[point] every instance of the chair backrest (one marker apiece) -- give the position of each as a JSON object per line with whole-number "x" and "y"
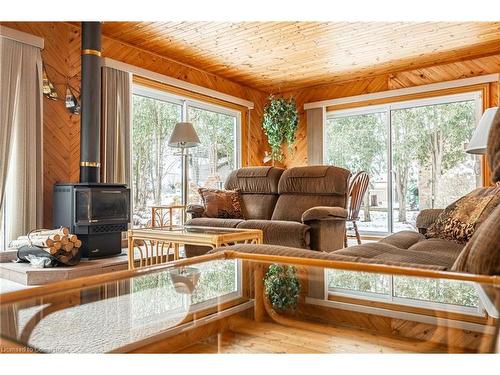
{"x": 259, "y": 190}
{"x": 357, "y": 190}
{"x": 301, "y": 188}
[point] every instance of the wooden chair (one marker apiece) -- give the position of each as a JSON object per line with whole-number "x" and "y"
{"x": 357, "y": 190}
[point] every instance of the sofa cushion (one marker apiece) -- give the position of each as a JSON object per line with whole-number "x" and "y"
{"x": 461, "y": 218}
{"x": 254, "y": 180}
{"x": 481, "y": 255}
{"x": 403, "y": 239}
{"x": 258, "y": 206}
{"x": 291, "y": 206}
{"x": 426, "y": 218}
{"x": 224, "y": 204}
{"x": 214, "y": 222}
{"x": 286, "y": 233}
{"x": 302, "y": 188}
{"x": 301, "y": 253}
{"x": 315, "y": 180}
{"x": 390, "y": 254}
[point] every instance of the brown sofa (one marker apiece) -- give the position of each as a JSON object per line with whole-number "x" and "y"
{"x": 480, "y": 255}
{"x": 302, "y": 207}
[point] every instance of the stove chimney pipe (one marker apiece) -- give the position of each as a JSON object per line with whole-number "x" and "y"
{"x": 90, "y": 126}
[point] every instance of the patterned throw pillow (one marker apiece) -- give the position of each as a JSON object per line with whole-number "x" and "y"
{"x": 462, "y": 218}
{"x": 223, "y": 204}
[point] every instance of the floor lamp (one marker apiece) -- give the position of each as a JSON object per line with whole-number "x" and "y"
{"x": 184, "y": 136}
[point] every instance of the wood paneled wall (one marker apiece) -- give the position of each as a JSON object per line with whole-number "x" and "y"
{"x": 62, "y": 130}
{"x": 397, "y": 80}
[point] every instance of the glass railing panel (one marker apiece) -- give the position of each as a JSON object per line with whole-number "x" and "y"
{"x": 235, "y": 304}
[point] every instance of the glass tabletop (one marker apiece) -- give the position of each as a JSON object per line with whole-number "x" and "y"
{"x": 193, "y": 230}
{"x": 256, "y": 304}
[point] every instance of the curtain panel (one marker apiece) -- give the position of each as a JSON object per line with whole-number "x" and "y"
{"x": 117, "y": 99}
{"x": 21, "y": 143}
{"x": 316, "y": 119}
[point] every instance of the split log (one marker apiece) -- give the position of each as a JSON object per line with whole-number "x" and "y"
{"x": 78, "y": 243}
{"x": 51, "y": 250}
{"x": 68, "y": 247}
{"x": 73, "y": 238}
{"x": 40, "y": 242}
{"x": 64, "y": 240}
{"x": 55, "y": 234}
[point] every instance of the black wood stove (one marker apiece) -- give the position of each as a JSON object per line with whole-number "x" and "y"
{"x": 96, "y": 212}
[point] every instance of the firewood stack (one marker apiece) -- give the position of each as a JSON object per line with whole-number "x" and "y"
{"x": 59, "y": 243}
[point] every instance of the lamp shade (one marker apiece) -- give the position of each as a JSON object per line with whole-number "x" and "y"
{"x": 479, "y": 140}
{"x": 184, "y": 136}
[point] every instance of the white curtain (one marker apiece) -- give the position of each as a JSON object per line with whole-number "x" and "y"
{"x": 117, "y": 99}
{"x": 21, "y": 173}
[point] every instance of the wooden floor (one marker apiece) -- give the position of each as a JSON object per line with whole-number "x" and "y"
{"x": 246, "y": 336}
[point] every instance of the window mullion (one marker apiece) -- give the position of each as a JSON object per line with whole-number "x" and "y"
{"x": 184, "y": 116}
{"x": 390, "y": 223}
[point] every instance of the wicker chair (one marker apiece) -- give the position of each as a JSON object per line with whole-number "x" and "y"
{"x": 357, "y": 190}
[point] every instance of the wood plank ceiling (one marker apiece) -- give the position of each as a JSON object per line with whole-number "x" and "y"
{"x": 280, "y": 56}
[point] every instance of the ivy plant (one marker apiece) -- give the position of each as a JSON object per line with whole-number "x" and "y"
{"x": 280, "y": 123}
{"x": 282, "y": 287}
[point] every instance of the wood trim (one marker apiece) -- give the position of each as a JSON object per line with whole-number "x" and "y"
{"x": 174, "y": 82}
{"x": 484, "y": 88}
{"x": 244, "y": 115}
{"x": 422, "y": 89}
{"x": 21, "y": 37}
{"x": 364, "y": 267}
{"x": 96, "y": 280}
{"x": 486, "y": 320}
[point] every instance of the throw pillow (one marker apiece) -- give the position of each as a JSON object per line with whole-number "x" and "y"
{"x": 461, "y": 218}
{"x": 224, "y": 204}
{"x": 481, "y": 255}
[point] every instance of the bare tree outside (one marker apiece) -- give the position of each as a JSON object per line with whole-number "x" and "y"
{"x": 432, "y": 138}
{"x": 214, "y": 159}
{"x": 358, "y": 143}
{"x": 430, "y": 168}
{"x": 156, "y": 177}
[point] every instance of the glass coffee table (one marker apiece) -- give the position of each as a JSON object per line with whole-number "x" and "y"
{"x": 152, "y": 245}
{"x": 240, "y": 302}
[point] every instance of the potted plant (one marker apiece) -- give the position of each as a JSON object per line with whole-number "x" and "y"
{"x": 282, "y": 287}
{"x": 280, "y": 123}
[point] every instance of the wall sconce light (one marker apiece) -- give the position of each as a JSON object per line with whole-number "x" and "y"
{"x": 71, "y": 102}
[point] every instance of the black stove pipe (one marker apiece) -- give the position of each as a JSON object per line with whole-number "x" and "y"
{"x": 90, "y": 126}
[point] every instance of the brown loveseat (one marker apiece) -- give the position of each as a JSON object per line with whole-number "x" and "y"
{"x": 302, "y": 207}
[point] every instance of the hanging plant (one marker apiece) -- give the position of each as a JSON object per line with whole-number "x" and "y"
{"x": 280, "y": 123}
{"x": 282, "y": 287}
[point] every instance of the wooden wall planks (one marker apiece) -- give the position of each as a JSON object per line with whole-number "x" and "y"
{"x": 62, "y": 130}
{"x": 416, "y": 77}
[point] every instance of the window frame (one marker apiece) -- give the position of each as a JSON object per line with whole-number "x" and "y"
{"x": 477, "y": 95}
{"x": 3, "y": 229}
{"x": 186, "y": 103}
{"x": 479, "y": 311}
